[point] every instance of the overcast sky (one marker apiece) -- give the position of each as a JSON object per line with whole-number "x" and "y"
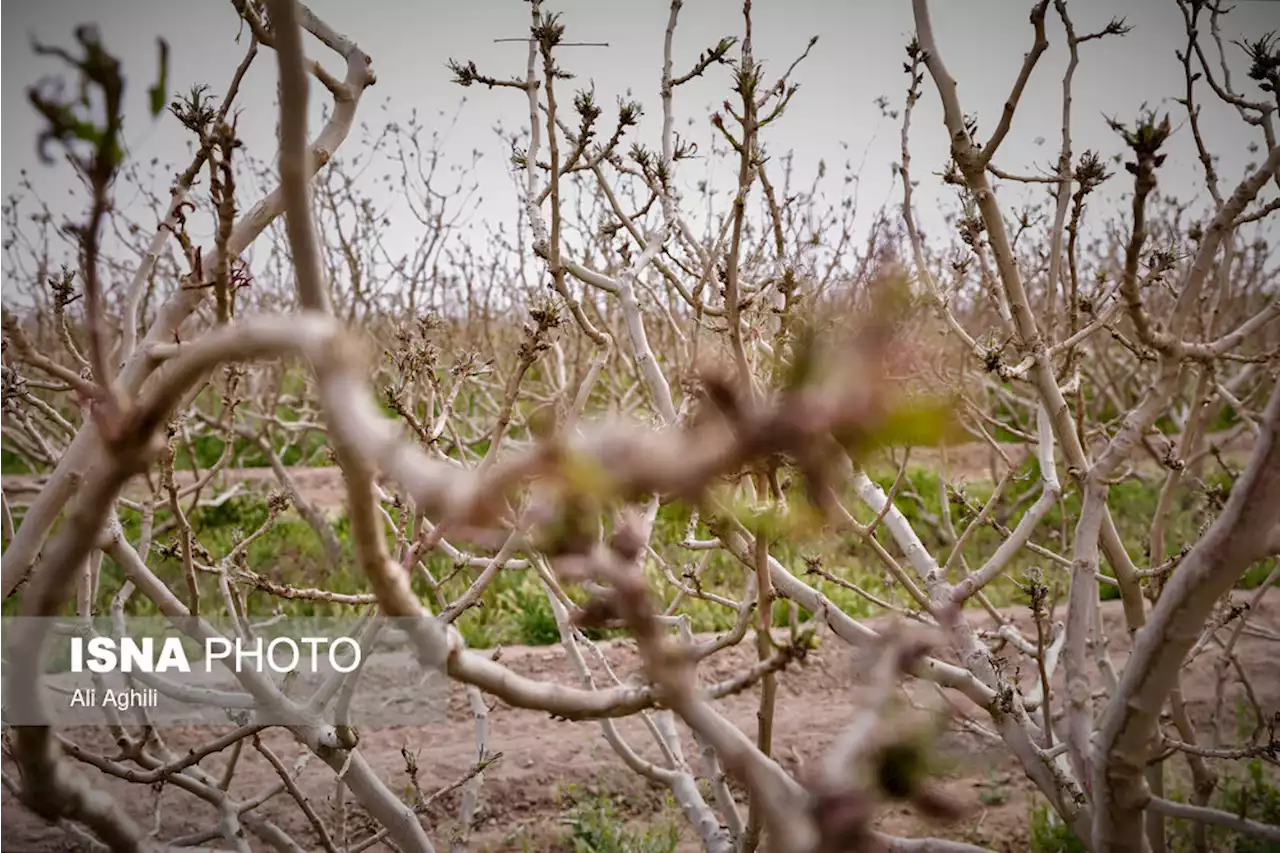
{"x": 858, "y": 58}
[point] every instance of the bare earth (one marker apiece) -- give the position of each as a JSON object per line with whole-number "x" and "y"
{"x": 527, "y": 791}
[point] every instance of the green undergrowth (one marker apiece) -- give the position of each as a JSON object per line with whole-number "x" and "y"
{"x": 1253, "y": 792}
{"x": 1248, "y": 789}
{"x": 1048, "y": 834}
{"x": 595, "y": 823}
{"x": 514, "y": 609}
{"x": 601, "y": 817}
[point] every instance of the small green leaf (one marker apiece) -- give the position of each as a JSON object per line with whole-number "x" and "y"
{"x": 157, "y": 92}
{"x": 920, "y": 423}
{"x": 83, "y": 130}
{"x": 776, "y": 521}
{"x": 587, "y": 477}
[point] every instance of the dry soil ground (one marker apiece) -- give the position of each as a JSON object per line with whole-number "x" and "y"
{"x": 527, "y": 791}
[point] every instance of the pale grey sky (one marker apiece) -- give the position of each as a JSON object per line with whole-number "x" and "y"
{"x": 858, "y": 58}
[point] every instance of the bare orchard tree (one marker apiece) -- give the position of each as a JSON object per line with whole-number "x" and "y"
{"x": 751, "y": 361}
